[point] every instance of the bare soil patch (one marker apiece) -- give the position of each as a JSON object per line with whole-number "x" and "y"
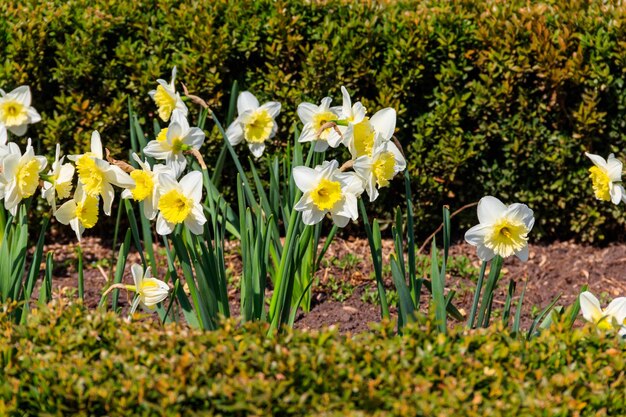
{"x": 344, "y": 293}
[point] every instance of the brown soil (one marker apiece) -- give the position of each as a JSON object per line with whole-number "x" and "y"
{"x": 344, "y": 294}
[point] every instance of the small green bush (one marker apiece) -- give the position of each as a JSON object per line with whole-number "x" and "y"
{"x": 493, "y": 97}
{"x": 67, "y": 361}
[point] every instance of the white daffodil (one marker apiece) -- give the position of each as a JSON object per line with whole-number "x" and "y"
{"x": 179, "y": 202}
{"x": 613, "y": 318}
{"x": 377, "y": 170}
{"x": 81, "y": 212}
{"x": 314, "y": 119}
{"x": 174, "y": 142}
{"x": 19, "y": 176}
{"x": 16, "y": 112}
{"x": 350, "y": 115}
{"x": 369, "y": 132}
{"x": 327, "y": 190}
{"x": 4, "y": 138}
{"x": 503, "y": 230}
{"x": 150, "y": 291}
{"x": 98, "y": 176}
{"x": 606, "y": 177}
{"x": 167, "y": 99}
{"x": 255, "y": 124}
{"x": 58, "y": 181}
{"x": 146, "y": 187}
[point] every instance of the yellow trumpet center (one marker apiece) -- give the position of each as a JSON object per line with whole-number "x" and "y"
{"x": 162, "y": 136}
{"x": 62, "y": 189}
{"x": 90, "y": 175}
{"x": 87, "y": 212}
{"x": 258, "y": 126}
{"x": 27, "y": 178}
{"x": 319, "y": 120}
{"x": 165, "y": 102}
{"x": 144, "y": 184}
{"x": 507, "y": 237}
{"x": 175, "y": 206}
{"x": 601, "y": 183}
{"x": 364, "y": 135}
{"x": 326, "y": 194}
{"x": 383, "y": 168}
{"x": 13, "y": 113}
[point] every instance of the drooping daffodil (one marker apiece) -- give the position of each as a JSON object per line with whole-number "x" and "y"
{"x": 180, "y": 202}
{"x": 16, "y": 113}
{"x": 19, "y": 175}
{"x": 81, "y": 212}
{"x": 58, "y": 182}
{"x": 150, "y": 290}
{"x": 606, "y": 176}
{"x": 317, "y": 125}
{"x": 378, "y": 170}
{"x": 611, "y": 318}
{"x": 146, "y": 187}
{"x": 255, "y": 124}
{"x": 327, "y": 190}
{"x": 167, "y": 99}
{"x": 503, "y": 230}
{"x": 178, "y": 139}
{"x": 98, "y": 176}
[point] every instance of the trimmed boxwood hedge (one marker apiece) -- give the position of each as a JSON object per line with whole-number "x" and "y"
{"x": 66, "y": 360}
{"x": 494, "y": 98}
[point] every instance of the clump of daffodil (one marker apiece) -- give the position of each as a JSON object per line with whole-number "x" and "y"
{"x": 255, "y": 124}
{"x": 172, "y": 145}
{"x": 612, "y": 318}
{"x": 19, "y": 175}
{"x": 58, "y": 182}
{"x": 167, "y": 99}
{"x": 379, "y": 169}
{"x": 180, "y": 202}
{"x": 327, "y": 190}
{"x": 370, "y": 131}
{"x": 81, "y": 212}
{"x": 318, "y": 125}
{"x": 606, "y": 176}
{"x": 503, "y": 230}
{"x": 98, "y": 176}
{"x": 146, "y": 187}
{"x": 16, "y": 113}
{"x": 349, "y": 115}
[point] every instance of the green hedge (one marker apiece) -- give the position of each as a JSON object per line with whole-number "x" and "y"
{"x": 493, "y": 97}
{"x": 68, "y": 361}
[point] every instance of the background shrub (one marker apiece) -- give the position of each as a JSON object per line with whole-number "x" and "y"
{"x": 493, "y": 97}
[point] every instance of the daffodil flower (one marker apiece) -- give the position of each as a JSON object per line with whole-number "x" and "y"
{"x": 255, "y": 124}
{"x": 314, "y": 119}
{"x": 327, "y": 190}
{"x": 16, "y": 112}
{"x": 179, "y": 202}
{"x": 4, "y": 138}
{"x": 58, "y": 181}
{"x": 612, "y": 318}
{"x": 146, "y": 187}
{"x": 150, "y": 291}
{"x": 351, "y": 115}
{"x": 369, "y": 132}
{"x": 19, "y": 176}
{"x": 167, "y": 99}
{"x": 81, "y": 212}
{"x": 98, "y": 176}
{"x": 380, "y": 168}
{"x": 606, "y": 176}
{"x": 178, "y": 139}
{"x": 503, "y": 230}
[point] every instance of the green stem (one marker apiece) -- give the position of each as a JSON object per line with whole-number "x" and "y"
{"x": 479, "y": 287}
{"x": 81, "y": 281}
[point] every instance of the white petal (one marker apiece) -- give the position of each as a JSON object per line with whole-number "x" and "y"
{"x": 137, "y": 272}
{"x": 116, "y": 176}
{"x": 522, "y": 254}
{"x": 163, "y": 227}
{"x": 18, "y": 130}
{"x": 614, "y": 168}
{"x": 306, "y": 178}
{"x": 476, "y": 235}
{"x": 325, "y": 105}
{"x": 234, "y": 133}
{"x": 96, "y": 144}
{"x": 307, "y": 134}
{"x": 66, "y": 212}
{"x": 616, "y": 191}
{"x": 306, "y": 111}
{"x": 590, "y": 307}
{"x": 273, "y": 108}
{"x": 192, "y": 185}
{"x": 196, "y": 220}
{"x": 107, "y": 198}
{"x": 521, "y": 212}
{"x": 194, "y": 138}
{"x": 167, "y": 182}
{"x": 246, "y": 102}
{"x": 490, "y": 209}
{"x": 22, "y": 95}
{"x": 320, "y": 145}
{"x": 346, "y": 108}
{"x": 484, "y": 253}
{"x": 256, "y": 149}
{"x": 597, "y": 160}
{"x": 384, "y": 122}
{"x": 312, "y": 216}
{"x": 339, "y": 220}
